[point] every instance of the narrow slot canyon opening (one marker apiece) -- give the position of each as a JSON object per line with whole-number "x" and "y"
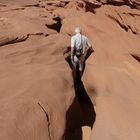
{"x": 91, "y": 7}
{"x": 59, "y": 24}
{"x": 81, "y": 115}
{"x": 56, "y": 26}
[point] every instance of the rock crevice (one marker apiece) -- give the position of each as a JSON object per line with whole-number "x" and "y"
{"x": 48, "y": 120}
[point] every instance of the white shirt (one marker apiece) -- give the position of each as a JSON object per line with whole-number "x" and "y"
{"x": 79, "y": 39}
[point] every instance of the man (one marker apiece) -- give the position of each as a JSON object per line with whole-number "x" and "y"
{"x": 79, "y": 47}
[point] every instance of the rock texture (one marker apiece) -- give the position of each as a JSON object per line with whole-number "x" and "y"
{"x": 38, "y": 98}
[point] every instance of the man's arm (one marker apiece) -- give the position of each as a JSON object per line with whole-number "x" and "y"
{"x": 72, "y": 48}
{"x": 88, "y": 43}
{"x": 88, "y": 46}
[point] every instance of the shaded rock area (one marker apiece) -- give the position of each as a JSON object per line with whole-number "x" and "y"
{"x": 136, "y": 56}
{"x": 38, "y": 97}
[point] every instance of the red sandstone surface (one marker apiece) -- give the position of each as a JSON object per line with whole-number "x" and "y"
{"x": 37, "y": 93}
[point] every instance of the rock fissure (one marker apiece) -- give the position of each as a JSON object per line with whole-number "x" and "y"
{"x": 32, "y": 5}
{"x": 121, "y": 3}
{"x": 56, "y": 25}
{"x": 131, "y": 14}
{"x": 48, "y": 120}
{"x": 2, "y": 5}
{"x": 84, "y": 101}
{"x": 15, "y": 9}
{"x": 90, "y": 7}
{"x": 86, "y": 108}
{"x": 11, "y": 40}
{"x": 82, "y": 114}
{"x": 136, "y": 57}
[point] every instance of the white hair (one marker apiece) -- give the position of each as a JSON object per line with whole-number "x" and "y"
{"x": 77, "y": 30}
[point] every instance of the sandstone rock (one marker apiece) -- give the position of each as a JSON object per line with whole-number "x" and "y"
{"x": 11, "y": 39}
{"x": 38, "y": 97}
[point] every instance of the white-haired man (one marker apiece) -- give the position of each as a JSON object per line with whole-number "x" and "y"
{"x": 79, "y": 46}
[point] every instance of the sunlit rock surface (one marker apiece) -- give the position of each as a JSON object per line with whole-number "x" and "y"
{"x": 37, "y": 92}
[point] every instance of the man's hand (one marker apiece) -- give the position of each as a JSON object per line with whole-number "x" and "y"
{"x": 72, "y": 54}
{"x": 91, "y": 49}
{"x": 72, "y": 57}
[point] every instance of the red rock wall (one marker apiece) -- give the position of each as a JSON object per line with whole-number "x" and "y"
{"x": 37, "y": 94}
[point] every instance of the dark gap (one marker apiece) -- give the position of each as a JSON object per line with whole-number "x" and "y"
{"x": 121, "y": 3}
{"x": 66, "y": 3}
{"x": 18, "y": 9}
{"x": 61, "y": 4}
{"x": 50, "y": 4}
{"x": 7, "y": 41}
{"x": 136, "y": 57}
{"x": 115, "y": 3}
{"x": 48, "y": 120}
{"x": 91, "y": 7}
{"x": 56, "y": 26}
{"x": 59, "y": 24}
{"x": 132, "y": 5}
{"x": 34, "y": 5}
{"x": 84, "y": 101}
{"x": 133, "y": 31}
{"x": 81, "y": 113}
{"x": 131, "y": 14}
{"x": 121, "y": 25}
{"x": 39, "y": 33}
{"x": 3, "y": 5}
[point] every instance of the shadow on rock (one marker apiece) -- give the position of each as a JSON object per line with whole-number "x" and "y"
{"x": 81, "y": 112}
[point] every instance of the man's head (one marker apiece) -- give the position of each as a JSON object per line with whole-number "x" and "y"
{"x": 78, "y": 30}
